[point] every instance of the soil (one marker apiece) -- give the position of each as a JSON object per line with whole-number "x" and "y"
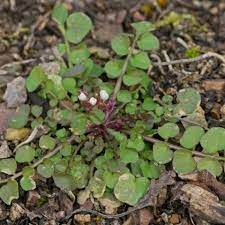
{"x": 27, "y": 32}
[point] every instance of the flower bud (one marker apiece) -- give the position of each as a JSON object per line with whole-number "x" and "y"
{"x": 93, "y": 101}
{"x": 82, "y": 97}
{"x": 104, "y": 95}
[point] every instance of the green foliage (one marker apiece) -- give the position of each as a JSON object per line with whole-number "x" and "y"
{"x": 120, "y": 44}
{"x": 121, "y": 139}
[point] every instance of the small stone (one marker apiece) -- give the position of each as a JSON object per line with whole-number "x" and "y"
{"x": 174, "y": 219}
{"x": 82, "y": 97}
{"x": 5, "y": 152}
{"x": 19, "y": 134}
{"x": 15, "y": 93}
{"x": 16, "y": 212}
{"x": 104, "y": 95}
{"x": 146, "y": 217}
{"x": 81, "y": 218}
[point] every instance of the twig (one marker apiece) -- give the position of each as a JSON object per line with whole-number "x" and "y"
{"x": 167, "y": 60}
{"x": 177, "y": 147}
{"x": 123, "y": 71}
{"x": 17, "y": 63}
{"x": 38, "y": 162}
{"x": 159, "y": 62}
{"x": 196, "y": 59}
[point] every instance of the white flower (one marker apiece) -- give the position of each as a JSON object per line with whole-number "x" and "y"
{"x": 93, "y": 101}
{"x": 82, "y": 97}
{"x": 104, "y": 95}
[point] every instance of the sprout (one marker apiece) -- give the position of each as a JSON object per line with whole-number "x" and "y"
{"x": 82, "y": 97}
{"x": 104, "y": 95}
{"x": 93, "y": 101}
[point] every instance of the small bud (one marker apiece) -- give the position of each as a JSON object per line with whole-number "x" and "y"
{"x": 104, "y": 95}
{"x": 93, "y": 101}
{"x": 82, "y": 97}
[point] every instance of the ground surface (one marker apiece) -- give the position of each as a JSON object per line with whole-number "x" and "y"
{"x": 27, "y": 32}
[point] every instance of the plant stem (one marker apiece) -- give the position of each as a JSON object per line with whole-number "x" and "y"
{"x": 19, "y": 174}
{"x": 67, "y": 46}
{"x": 124, "y": 69}
{"x": 177, "y": 147}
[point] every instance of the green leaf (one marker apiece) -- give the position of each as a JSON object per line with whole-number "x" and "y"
{"x": 149, "y": 104}
{"x": 120, "y": 44}
{"x": 64, "y": 181}
{"x": 143, "y": 27}
{"x": 125, "y": 189}
{"x": 47, "y": 142}
{"x": 79, "y": 54}
{"x": 136, "y": 142}
{"x": 191, "y": 137}
{"x": 183, "y": 161}
{"x": 59, "y": 14}
{"x": 27, "y": 183}
{"x": 128, "y": 156}
{"x": 131, "y": 107}
{"x": 133, "y": 77}
{"x": 168, "y": 130}
{"x": 211, "y": 165}
{"x": 148, "y": 41}
{"x": 150, "y": 170}
{"x": 8, "y": 166}
{"x": 9, "y": 192}
{"x": 78, "y": 26}
{"x": 124, "y": 96}
{"x": 110, "y": 179}
{"x": 46, "y": 169}
{"x": 113, "y": 68}
{"x": 28, "y": 171}
{"x": 142, "y": 185}
{"x": 21, "y": 117}
{"x": 97, "y": 116}
{"x": 140, "y": 60}
{"x": 79, "y": 124}
{"x": 97, "y": 187}
{"x": 36, "y": 110}
{"x": 61, "y": 165}
{"x": 69, "y": 85}
{"x": 213, "y": 140}
{"x": 66, "y": 150}
{"x": 25, "y": 154}
{"x": 189, "y": 100}
{"x": 36, "y": 77}
{"x": 161, "y": 153}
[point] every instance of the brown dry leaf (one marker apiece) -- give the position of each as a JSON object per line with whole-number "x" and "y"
{"x": 19, "y": 134}
{"x": 203, "y": 203}
{"x": 81, "y": 218}
{"x": 32, "y": 199}
{"x": 214, "y": 84}
{"x": 5, "y": 152}
{"x": 110, "y": 203}
{"x": 83, "y": 196}
{"x": 65, "y": 203}
{"x": 15, "y": 93}
{"x": 156, "y": 186}
{"x": 16, "y": 212}
{"x": 5, "y": 115}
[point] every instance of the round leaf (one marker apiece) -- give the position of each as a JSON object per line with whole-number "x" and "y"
{"x": 133, "y": 77}
{"x": 25, "y": 154}
{"x": 161, "y": 153}
{"x": 213, "y": 140}
{"x": 124, "y": 96}
{"x": 143, "y": 27}
{"x": 191, "y": 137}
{"x": 9, "y": 192}
{"x": 129, "y": 156}
{"x": 47, "y": 142}
{"x": 148, "y": 41}
{"x": 183, "y": 161}
{"x": 113, "y": 68}
{"x": 97, "y": 186}
{"x": 46, "y": 169}
{"x": 149, "y": 104}
{"x": 8, "y": 166}
{"x": 64, "y": 182}
{"x": 59, "y": 14}
{"x": 140, "y": 60}
{"x": 211, "y": 165}
{"x": 125, "y": 189}
{"x": 120, "y": 44}
{"x": 168, "y": 130}
{"x": 78, "y": 26}
{"x": 27, "y": 183}
{"x": 150, "y": 170}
